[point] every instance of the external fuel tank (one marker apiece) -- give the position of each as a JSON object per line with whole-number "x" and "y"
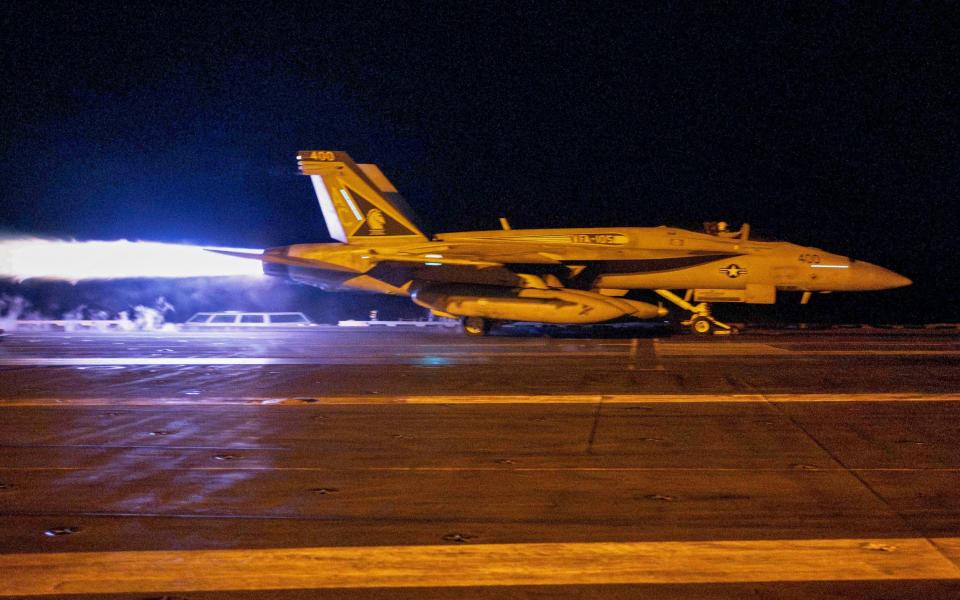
{"x": 551, "y": 305}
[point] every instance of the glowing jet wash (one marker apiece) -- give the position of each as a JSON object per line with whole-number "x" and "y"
{"x": 543, "y": 275}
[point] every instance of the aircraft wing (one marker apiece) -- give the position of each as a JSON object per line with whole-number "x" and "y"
{"x": 435, "y": 260}
{"x": 483, "y": 263}
{"x": 481, "y": 254}
{"x": 509, "y": 252}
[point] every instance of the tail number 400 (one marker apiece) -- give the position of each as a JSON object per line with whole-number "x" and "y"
{"x": 325, "y": 155}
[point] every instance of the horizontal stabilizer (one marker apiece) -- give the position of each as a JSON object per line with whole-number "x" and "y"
{"x": 287, "y": 260}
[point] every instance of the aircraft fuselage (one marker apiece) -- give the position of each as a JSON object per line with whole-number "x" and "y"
{"x": 609, "y": 259}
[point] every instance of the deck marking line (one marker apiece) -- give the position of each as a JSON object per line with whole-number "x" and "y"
{"x": 699, "y": 562}
{"x": 471, "y": 469}
{"x": 880, "y": 352}
{"x": 321, "y": 401}
{"x": 718, "y": 349}
{"x": 53, "y": 361}
{"x": 674, "y": 349}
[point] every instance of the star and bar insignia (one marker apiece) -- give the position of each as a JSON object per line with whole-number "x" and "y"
{"x": 733, "y": 271}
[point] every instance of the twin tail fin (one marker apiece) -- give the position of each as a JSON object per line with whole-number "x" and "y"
{"x": 359, "y": 203}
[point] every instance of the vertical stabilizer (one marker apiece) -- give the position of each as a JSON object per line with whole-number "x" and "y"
{"x": 358, "y": 201}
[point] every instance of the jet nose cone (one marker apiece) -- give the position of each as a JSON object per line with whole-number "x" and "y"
{"x": 875, "y": 277}
{"x": 898, "y": 280}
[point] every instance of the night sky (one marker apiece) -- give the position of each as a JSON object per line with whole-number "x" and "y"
{"x": 829, "y": 125}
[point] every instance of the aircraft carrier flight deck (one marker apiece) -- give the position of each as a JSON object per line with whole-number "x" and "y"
{"x": 411, "y": 464}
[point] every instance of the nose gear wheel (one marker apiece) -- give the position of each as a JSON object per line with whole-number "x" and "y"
{"x": 701, "y": 322}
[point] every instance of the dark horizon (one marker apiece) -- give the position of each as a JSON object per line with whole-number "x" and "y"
{"x": 836, "y": 127}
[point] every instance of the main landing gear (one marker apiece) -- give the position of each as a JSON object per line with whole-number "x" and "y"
{"x": 475, "y": 326}
{"x": 701, "y": 322}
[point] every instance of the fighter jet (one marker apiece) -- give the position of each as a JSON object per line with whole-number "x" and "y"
{"x": 559, "y": 276}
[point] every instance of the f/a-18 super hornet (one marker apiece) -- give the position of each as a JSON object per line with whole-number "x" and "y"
{"x": 565, "y": 276}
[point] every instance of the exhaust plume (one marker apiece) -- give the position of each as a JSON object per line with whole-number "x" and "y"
{"x": 33, "y": 258}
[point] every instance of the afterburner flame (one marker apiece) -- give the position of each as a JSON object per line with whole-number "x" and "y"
{"x": 31, "y": 258}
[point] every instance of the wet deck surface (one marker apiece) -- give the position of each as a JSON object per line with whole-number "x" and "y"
{"x": 838, "y": 449}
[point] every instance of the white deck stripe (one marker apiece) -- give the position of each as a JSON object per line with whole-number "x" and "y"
{"x": 323, "y": 359}
{"x": 490, "y": 399}
{"x": 471, "y": 469}
{"x": 676, "y": 351}
{"x": 478, "y": 565}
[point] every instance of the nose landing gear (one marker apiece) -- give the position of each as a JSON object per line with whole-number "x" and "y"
{"x": 701, "y": 325}
{"x": 701, "y": 321}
